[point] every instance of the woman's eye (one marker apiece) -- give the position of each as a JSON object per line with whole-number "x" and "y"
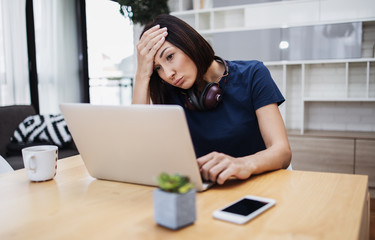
{"x": 156, "y": 68}
{"x": 170, "y": 56}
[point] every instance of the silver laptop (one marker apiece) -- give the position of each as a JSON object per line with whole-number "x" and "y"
{"x": 134, "y": 143}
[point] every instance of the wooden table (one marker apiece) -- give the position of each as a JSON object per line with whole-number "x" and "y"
{"x": 310, "y": 205}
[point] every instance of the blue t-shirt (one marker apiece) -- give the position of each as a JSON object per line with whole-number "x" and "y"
{"x": 232, "y": 128}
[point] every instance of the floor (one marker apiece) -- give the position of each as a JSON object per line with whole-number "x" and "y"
{"x": 372, "y": 219}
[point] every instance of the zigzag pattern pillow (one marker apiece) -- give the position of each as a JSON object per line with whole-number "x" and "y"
{"x": 43, "y": 128}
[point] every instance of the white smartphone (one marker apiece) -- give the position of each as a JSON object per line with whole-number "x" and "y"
{"x": 245, "y": 209}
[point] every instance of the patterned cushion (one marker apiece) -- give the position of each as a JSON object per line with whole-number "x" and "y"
{"x": 43, "y": 128}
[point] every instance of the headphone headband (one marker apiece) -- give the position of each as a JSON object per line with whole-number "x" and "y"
{"x": 219, "y": 59}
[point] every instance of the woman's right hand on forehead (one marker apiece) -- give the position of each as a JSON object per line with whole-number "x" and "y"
{"x": 148, "y": 45}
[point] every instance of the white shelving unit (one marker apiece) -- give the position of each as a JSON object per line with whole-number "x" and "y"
{"x": 321, "y": 94}
{"x": 323, "y": 82}
{"x": 270, "y": 14}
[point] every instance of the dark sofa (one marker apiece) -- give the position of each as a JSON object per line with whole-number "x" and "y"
{"x": 10, "y": 118}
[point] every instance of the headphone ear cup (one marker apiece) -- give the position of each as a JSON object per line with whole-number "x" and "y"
{"x": 191, "y": 101}
{"x": 211, "y": 96}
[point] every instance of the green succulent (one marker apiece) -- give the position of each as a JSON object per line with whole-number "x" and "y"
{"x": 174, "y": 183}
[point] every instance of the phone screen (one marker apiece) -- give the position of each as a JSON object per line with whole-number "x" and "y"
{"x": 245, "y": 206}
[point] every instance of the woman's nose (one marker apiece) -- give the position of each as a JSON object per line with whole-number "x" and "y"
{"x": 170, "y": 73}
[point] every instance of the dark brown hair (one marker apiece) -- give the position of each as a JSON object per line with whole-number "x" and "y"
{"x": 184, "y": 37}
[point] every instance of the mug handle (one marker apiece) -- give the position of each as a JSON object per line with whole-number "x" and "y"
{"x": 32, "y": 163}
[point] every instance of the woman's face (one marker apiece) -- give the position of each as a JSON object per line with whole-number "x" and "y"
{"x": 174, "y": 66}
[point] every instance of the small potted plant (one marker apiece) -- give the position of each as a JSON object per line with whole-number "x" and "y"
{"x": 174, "y": 201}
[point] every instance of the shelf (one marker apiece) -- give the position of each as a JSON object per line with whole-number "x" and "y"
{"x": 228, "y": 19}
{"x": 324, "y": 94}
{"x": 333, "y": 134}
{"x": 320, "y": 61}
{"x": 204, "y": 21}
{"x": 339, "y": 100}
{"x": 268, "y": 15}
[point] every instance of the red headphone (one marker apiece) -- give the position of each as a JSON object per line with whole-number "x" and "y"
{"x": 210, "y": 97}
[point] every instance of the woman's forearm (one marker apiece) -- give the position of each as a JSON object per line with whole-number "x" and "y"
{"x": 141, "y": 91}
{"x": 275, "y": 157}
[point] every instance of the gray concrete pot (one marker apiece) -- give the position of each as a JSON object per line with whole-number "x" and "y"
{"x": 174, "y": 210}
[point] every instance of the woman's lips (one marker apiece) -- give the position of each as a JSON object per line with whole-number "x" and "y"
{"x": 178, "y": 82}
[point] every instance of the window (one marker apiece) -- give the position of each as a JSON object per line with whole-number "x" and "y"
{"x": 110, "y": 53}
{"x": 57, "y": 53}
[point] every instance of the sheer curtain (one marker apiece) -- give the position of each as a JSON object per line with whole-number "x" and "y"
{"x": 57, "y": 53}
{"x": 14, "y": 75}
{"x": 56, "y": 49}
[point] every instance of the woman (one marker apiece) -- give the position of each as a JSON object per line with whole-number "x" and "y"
{"x": 231, "y": 106}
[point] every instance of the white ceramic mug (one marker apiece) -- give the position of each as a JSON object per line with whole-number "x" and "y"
{"x": 40, "y": 162}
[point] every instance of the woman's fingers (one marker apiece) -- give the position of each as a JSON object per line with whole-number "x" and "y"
{"x": 147, "y": 47}
{"x": 207, "y": 165}
{"x": 153, "y": 45}
{"x": 151, "y": 40}
{"x": 217, "y": 169}
{"x": 220, "y": 167}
